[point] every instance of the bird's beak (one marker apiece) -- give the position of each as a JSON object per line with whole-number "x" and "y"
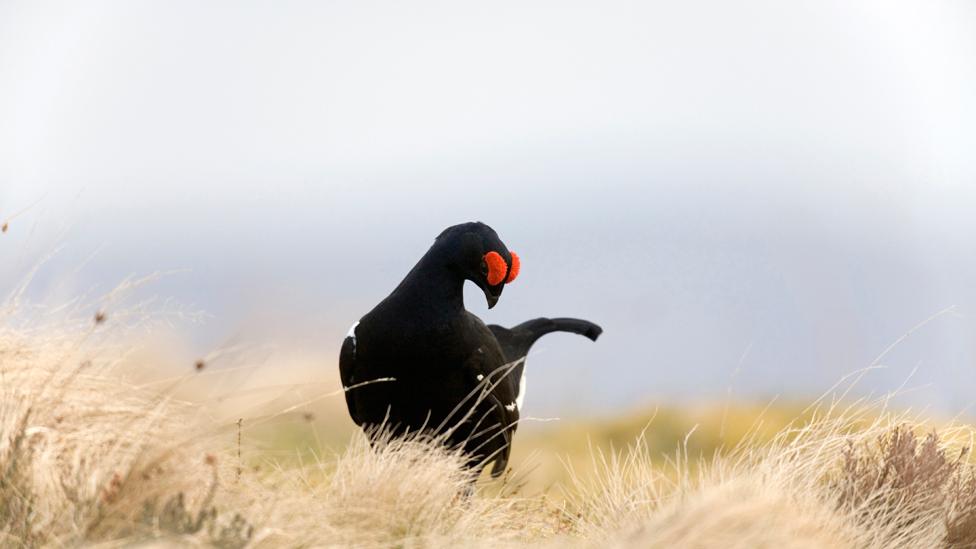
{"x": 492, "y": 293}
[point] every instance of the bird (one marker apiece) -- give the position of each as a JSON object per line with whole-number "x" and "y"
{"x": 420, "y": 362}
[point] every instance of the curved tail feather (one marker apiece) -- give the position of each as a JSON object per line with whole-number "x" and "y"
{"x": 572, "y": 325}
{"x": 517, "y": 341}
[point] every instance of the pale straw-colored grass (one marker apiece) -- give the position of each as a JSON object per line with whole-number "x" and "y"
{"x": 89, "y": 459}
{"x": 856, "y": 476}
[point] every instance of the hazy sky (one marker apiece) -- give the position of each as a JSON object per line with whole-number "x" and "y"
{"x": 761, "y": 195}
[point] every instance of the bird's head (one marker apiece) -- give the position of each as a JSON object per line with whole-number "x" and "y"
{"x": 478, "y": 255}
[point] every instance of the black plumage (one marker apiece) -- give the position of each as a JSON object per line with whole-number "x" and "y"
{"x": 451, "y": 374}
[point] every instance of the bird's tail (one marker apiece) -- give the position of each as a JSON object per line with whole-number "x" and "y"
{"x": 517, "y": 341}
{"x": 541, "y": 326}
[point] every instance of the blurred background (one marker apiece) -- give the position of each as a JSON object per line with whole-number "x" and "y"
{"x": 753, "y": 198}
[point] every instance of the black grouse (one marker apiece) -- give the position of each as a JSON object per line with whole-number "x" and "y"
{"x": 451, "y": 374}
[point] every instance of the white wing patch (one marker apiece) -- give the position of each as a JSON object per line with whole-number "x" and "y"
{"x": 352, "y": 335}
{"x": 511, "y": 407}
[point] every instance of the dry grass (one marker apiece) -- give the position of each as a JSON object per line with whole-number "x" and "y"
{"x": 86, "y": 459}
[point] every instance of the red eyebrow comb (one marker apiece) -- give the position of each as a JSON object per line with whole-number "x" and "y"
{"x": 497, "y": 268}
{"x": 514, "y": 270}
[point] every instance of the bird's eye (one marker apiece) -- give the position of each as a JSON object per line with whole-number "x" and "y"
{"x": 484, "y": 267}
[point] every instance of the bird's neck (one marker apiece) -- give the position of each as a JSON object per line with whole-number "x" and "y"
{"x": 433, "y": 284}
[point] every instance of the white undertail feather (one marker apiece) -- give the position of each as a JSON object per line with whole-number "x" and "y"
{"x": 520, "y": 397}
